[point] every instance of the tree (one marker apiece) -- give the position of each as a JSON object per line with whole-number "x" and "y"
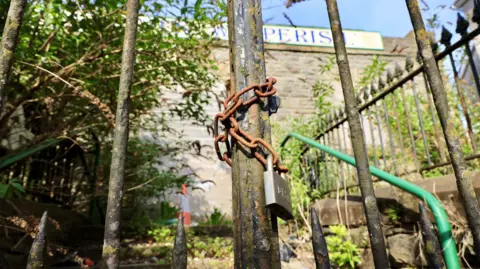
{"x": 9, "y": 43}
{"x": 67, "y": 70}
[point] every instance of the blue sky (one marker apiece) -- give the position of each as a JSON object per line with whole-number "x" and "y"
{"x": 389, "y": 17}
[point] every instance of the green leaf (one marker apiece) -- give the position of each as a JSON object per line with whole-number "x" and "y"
{"x": 17, "y": 186}
{"x": 198, "y": 4}
{"x": 5, "y": 191}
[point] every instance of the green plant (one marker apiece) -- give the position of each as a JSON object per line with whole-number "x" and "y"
{"x": 198, "y": 246}
{"x": 163, "y": 234}
{"x": 217, "y": 247}
{"x": 66, "y": 77}
{"x": 167, "y": 213}
{"x": 394, "y": 213}
{"x": 372, "y": 71}
{"x": 302, "y": 194}
{"x": 12, "y": 189}
{"x": 402, "y": 110}
{"x": 216, "y": 218}
{"x": 342, "y": 251}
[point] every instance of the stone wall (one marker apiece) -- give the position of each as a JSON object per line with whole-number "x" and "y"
{"x": 296, "y": 68}
{"x": 400, "y": 219}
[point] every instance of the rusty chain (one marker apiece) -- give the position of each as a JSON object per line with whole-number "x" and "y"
{"x": 232, "y": 129}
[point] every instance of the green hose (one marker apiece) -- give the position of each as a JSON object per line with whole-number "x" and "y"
{"x": 444, "y": 229}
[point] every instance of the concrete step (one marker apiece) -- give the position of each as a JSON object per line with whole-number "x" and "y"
{"x": 351, "y": 207}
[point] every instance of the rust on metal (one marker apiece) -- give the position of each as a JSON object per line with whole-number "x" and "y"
{"x": 331, "y": 182}
{"x": 399, "y": 131}
{"x": 384, "y": 92}
{"x": 359, "y": 149}
{"x": 462, "y": 27}
{"x": 409, "y": 66}
{"x": 232, "y": 128}
{"x": 255, "y": 229}
{"x": 346, "y": 152}
{"x": 438, "y": 135}
{"x": 445, "y": 40}
{"x": 325, "y": 161}
{"x": 433, "y": 166}
{"x": 398, "y": 74}
{"x": 430, "y": 240}
{"x": 373, "y": 91}
{"x": 179, "y": 255}
{"x": 370, "y": 125}
{"x": 38, "y": 250}
{"x": 320, "y": 251}
{"x": 390, "y": 137}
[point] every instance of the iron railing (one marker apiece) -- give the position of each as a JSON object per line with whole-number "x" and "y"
{"x": 401, "y": 127}
{"x": 372, "y": 113}
{"x": 56, "y": 170}
{"x": 444, "y": 229}
{"x": 396, "y": 117}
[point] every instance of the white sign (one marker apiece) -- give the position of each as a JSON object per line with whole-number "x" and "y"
{"x": 305, "y": 36}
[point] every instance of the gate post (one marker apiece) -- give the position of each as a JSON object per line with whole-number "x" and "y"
{"x": 254, "y": 229}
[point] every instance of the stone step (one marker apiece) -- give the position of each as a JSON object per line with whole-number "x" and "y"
{"x": 445, "y": 188}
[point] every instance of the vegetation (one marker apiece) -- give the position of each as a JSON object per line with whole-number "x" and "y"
{"x": 394, "y": 213}
{"x": 65, "y": 83}
{"x": 343, "y": 253}
{"x": 291, "y": 155}
{"x": 403, "y": 137}
{"x": 216, "y": 218}
{"x": 12, "y": 189}
{"x": 205, "y": 246}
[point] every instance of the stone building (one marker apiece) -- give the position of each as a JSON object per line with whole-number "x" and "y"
{"x": 294, "y": 57}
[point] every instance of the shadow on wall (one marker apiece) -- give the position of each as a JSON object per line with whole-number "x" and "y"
{"x": 199, "y": 206}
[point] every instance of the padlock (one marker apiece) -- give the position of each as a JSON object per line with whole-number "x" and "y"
{"x": 277, "y": 193}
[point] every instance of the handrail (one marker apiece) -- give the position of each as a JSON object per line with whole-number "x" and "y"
{"x": 17, "y": 156}
{"x": 444, "y": 229}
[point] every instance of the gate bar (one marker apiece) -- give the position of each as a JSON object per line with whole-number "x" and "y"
{"x": 111, "y": 240}
{"x": 464, "y": 182}
{"x": 377, "y": 241}
{"x": 319, "y": 244}
{"x": 441, "y": 217}
{"x": 430, "y": 239}
{"x": 255, "y": 229}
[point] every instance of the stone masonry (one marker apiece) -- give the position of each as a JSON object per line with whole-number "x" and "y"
{"x": 296, "y": 68}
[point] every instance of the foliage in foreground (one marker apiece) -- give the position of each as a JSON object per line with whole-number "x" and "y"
{"x": 66, "y": 75}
